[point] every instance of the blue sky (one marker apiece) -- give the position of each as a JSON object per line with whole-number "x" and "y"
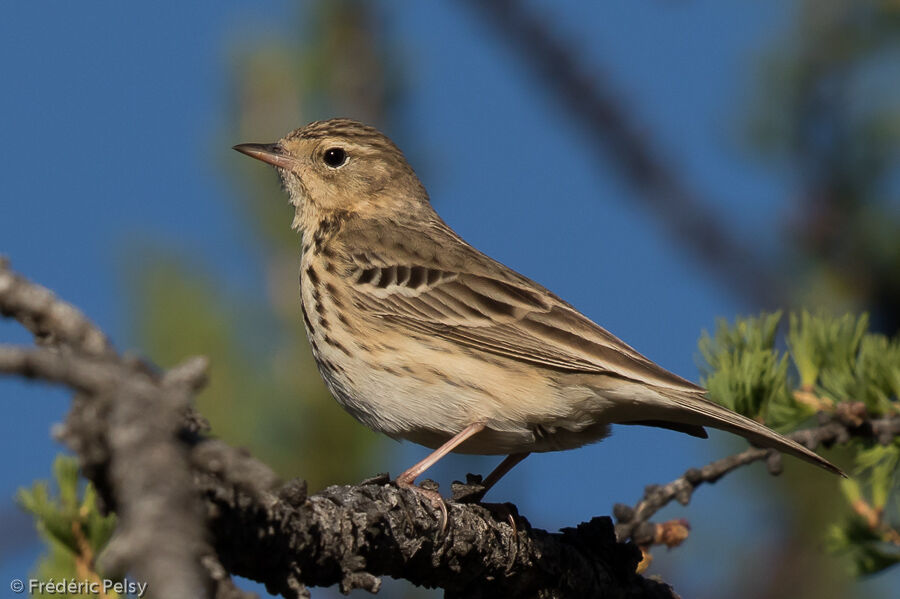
{"x": 108, "y": 122}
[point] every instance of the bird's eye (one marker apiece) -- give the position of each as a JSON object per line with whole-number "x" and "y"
{"x": 335, "y": 157}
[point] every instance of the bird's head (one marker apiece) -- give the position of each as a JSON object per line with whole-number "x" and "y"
{"x": 341, "y": 165}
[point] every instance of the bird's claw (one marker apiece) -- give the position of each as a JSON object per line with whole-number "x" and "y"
{"x": 433, "y": 496}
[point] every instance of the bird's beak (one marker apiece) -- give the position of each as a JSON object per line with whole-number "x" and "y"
{"x": 273, "y": 154}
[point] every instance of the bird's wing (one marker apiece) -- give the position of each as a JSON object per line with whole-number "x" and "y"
{"x": 446, "y": 288}
{"x": 453, "y": 291}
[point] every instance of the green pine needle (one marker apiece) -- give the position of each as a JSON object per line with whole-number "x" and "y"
{"x": 67, "y": 521}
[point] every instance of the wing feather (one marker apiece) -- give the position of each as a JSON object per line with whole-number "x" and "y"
{"x": 437, "y": 284}
{"x": 481, "y": 304}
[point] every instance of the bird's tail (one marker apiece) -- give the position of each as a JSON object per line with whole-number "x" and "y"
{"x": 688, "y": 411}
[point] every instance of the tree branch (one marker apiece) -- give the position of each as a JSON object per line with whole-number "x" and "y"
{"x": 348, "y": 535}
{"x": 52, "y": 321}
{"x": 129, "y": 449}
{"x": 851, "y": 421}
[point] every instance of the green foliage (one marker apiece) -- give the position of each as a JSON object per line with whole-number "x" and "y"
{"x": 868, "y": 551}
{"x": 841, "y": 361}
{"x": 72, "y": 527}
{"x": 819, "y": 344}
{"x": 874, "y": 378}
{"x": 741, "y": 367}
{"x": 871, "y": 546}
{"x": 835, "y": 360}
{"x": 878, "y": 467}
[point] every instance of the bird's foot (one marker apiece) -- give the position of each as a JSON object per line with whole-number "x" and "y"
{"x": 430, "y": 494}
{"x": 473, "y": 490}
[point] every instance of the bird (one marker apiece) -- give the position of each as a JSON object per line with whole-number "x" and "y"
{"x": 422, "y": 337}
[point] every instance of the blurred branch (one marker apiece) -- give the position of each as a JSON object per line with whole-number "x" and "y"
{"x": 849, "y": 422}
{"x": 194, "y": 510}
{"x": 591, "y": 101}
{"x": 52, "y": 321}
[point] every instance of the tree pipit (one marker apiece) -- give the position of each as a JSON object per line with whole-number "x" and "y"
{"x": 422, "y": 337}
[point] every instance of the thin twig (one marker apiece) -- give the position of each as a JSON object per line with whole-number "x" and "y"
{"x": 633, "y": 522}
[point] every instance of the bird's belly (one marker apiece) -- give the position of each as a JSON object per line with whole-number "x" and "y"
{"x": 425, "y": 391}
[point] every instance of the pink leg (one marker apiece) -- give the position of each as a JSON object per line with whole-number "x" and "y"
{"x": 500, "y": 471}
{"x": 406, "y": 479}
{"x": 496, "y": 474}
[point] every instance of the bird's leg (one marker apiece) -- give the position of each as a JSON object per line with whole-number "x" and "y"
{"x": 406, "y": 479}
{"x": 500, "y": 471}
{"x": 475, "y": 492}
{"x": 508, "y": 463}
{"x": 409, "y": 476}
